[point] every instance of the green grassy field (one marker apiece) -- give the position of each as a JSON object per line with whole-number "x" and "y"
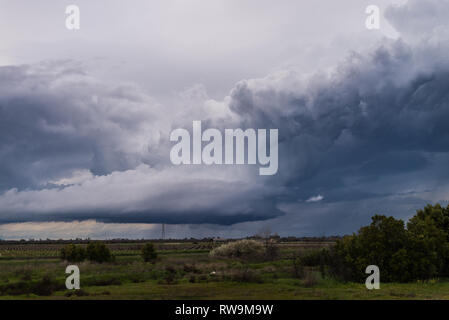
{"x": 186, "y": 271}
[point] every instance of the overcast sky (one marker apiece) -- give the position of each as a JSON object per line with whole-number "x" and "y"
{"x": 85, "y": 115}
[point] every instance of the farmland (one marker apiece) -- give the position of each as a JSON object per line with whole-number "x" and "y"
{"x": 185, "y": 270}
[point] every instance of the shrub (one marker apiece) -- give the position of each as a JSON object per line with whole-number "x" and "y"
{"x": 243, "y": 249}
{"x": 149, "y": 253}
{"x": 311, "y": 279}
{"x": 98, "y": 252}
{"x": 44, "y": 287}
{"x": 73, "y": 253}
{"x": 170, "y": 275}
{"x": 314, "y": 258}
{"x": 203, "y": 278}
{"x": 78, "y": 293}
{"x": 298, "y": 268}
{"x": 103, "y": 282}
{"x": 271, "y": 250}
{"x": 246, "y": 275}
{"x": 190, "y": 268}
{"x": 16, "y": 288}
{"x": 136, "y": 278}
{"x": 24, "y": 274}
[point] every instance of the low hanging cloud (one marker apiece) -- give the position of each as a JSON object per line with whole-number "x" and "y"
{"x": 144, "y": 194}
{"x": 55, "y": 119}
{"x": 73, "y": 148}
{"x": 373, "y": 129}
{"x": 315, "y": 199}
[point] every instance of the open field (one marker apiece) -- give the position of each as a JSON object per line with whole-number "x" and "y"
{"x": 186, "y": 271}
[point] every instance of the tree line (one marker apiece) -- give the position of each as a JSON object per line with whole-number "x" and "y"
{"x": 418, "y": 250}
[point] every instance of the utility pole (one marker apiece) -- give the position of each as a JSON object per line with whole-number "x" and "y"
{"x": 163, "y": 231}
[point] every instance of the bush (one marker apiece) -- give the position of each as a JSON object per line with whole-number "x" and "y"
{"x": 314, "y": 258}
{"x": 16, "y": 288}
{"x": 243, "y": 249}
{"x": 98, "y": 252}
{"x": 72, "y": 253}
{"x": 170, "y": 275}
{"x": 103, "y": 282}
{"x": 311, "y": 279}
{"x": 78, "y": 293}
{"x": 136, "y": 278}
{"x": 24, "y": 274}
{"x": 298, "y": 268}
{"x": 190, "y": 268}
{"x": 246, "y": 275}
{"x": 149, "y": 253}
{"x": 46, "y": 286}
{"x": 271, "y": 250}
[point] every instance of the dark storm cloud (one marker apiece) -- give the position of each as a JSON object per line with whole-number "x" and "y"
{"x": 377, "y": 115}
{"x": 369, "y": 137}
{"x": 71, "y": 147}
{"x": 144, "y": 194}
{"x": 54, "y": 118}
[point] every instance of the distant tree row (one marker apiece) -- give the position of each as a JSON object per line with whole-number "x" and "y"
{"x": 185, "y": 240}
{"x": 98, "y": 252}
{"x": 94, "y": 252}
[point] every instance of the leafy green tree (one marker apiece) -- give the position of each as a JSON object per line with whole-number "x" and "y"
{"x": 429, "y": 246}
{"x": 73, "y": 253}
{"x": 373, "y": 245}
{"x": 98, "y": 252}
{"x": 148, "y": 253}
{"x": 437, "y": 213}
{"x": 419, "y": 251}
